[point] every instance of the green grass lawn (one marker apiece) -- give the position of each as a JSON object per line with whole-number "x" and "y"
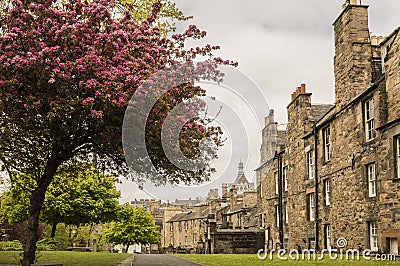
{"x": 250, "y": 259}
{"x": 68, "y": 258}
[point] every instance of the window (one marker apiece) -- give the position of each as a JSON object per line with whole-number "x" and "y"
{"x": 194, "y": 238}
{"x": 276, "y": 183}
{"x": 397, "y": 148}
{"x": 186, "y": 225}
{"x": 172, "y": 240}
{"x": 311, "y": 207}
{"x": 286, "y": 213}
{"x": 371, "y": 180}
{"x": 369, "y": 119}
{"x": 285, "y": 178}
{"x": 327, "y": 189}
{"x": 310, "y": 164}
{"x": 373, "y": 236}
{"x": 171, "y": 227}
{"x": 277, "y": 220}
{"x": 180, "y": 226}
{"x": 186, "y": 240}
{"x": 328, "y": 242}
{"x": 327, "y": 143}
{"x": 311, "y": 243}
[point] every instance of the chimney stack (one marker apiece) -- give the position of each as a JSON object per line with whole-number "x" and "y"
{"x": 299, "y": 90}
{"x": 349, "y": 2}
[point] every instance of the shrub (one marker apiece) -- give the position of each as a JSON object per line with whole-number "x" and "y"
{"x": 14, "y": 245}
{"x": 47, "y": 244}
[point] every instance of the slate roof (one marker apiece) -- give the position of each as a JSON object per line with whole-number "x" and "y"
{"x": 319, "y": 110}
{"x": 184, "y": 216}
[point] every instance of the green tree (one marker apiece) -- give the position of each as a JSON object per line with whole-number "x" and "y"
{"x": 79, "y": 195}
{"x": 166, "y": 18}
{"x": 133, "y": 226}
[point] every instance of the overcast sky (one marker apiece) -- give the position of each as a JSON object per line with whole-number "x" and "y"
{"x": 279, "y": 45}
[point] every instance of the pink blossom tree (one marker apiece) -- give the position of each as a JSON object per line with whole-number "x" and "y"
{"x": 67, "y": 72}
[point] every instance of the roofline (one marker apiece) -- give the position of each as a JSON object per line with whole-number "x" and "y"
{"x": 345, "y": 9}
{"x": 371, "y": 88}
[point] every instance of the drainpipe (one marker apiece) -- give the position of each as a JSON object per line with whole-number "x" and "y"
{"x": 280, "y": 197}
{"x": 316, "y": 187}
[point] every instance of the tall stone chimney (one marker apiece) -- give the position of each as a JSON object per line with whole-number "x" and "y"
{"x": 353, "y": 52}
{"x": 224, "y": 190}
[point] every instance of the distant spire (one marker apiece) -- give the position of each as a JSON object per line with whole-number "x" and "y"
{"x": 240, "y": 172}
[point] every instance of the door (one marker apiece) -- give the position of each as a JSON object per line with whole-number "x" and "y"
{"x": 394, "y": 247}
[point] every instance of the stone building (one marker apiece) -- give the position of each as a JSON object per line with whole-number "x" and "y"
{"x": 336, "y": 174}
{"x": 218, "y": 224}
{"x": 185, "y": 229}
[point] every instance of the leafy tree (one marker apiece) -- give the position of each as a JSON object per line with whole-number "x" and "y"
{"x": 133, "y": 226}
{"x": 79, "y": 195}
{"x": 166, "y": 18}
{"x": 67, "y": 72}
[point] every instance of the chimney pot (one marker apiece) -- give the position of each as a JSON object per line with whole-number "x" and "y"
{"x": 303, "y": 88}
{"x": 374, "y": 40}
{"x": 380, "y": 39}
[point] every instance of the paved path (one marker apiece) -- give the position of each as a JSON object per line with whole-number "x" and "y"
{"x": 158, "y": 259}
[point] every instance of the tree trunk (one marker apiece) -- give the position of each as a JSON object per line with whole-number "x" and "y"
{"x": 127, "y": 247}
{"x": 35, "y": 206}
{"x": 53, "y": 230}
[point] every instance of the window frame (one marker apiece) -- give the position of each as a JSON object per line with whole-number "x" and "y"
{"x": 285, "y": 205}
{"x": 327, "y": 141}
{"x": 371, "y": 179}
{"x": 328, "y": 237}
{"x": 285, "y": 178}
{"x": 327, "y": 192}
{"x": 311, "y": 207}
{"x": 277, "y": 219}
{"x": 310, "y": 164}
{"x": 373, "y": 236}
{"x": 369, "y": 119}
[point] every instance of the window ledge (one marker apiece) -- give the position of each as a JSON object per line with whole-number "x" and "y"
{"x": 326, "y": 162}
{"x": 370, "y": 141}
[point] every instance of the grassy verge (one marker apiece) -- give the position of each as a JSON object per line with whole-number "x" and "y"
{"x": 250, "y": 259}
{"x": 67, "y": 258}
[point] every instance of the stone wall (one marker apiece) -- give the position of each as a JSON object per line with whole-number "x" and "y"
{"x": 236, "y": 241}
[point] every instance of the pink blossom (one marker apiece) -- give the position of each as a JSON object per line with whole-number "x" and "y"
{"x": 88, "y": 100}
{"x": 96, "y": 113}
